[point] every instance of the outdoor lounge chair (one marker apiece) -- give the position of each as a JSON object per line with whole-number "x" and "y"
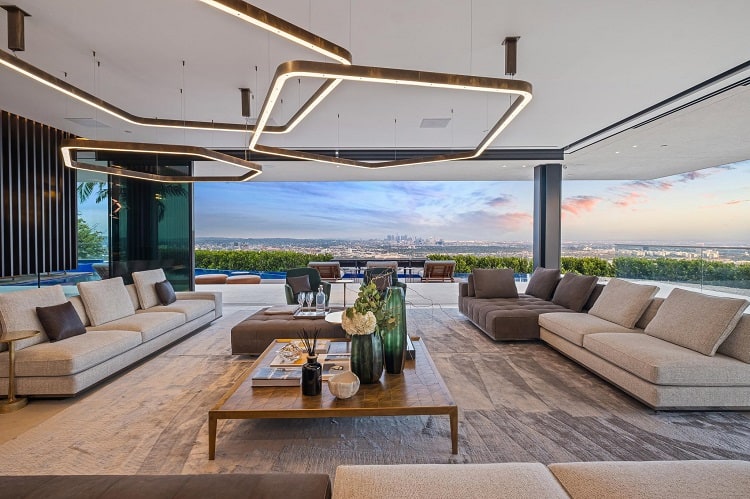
{"x": 329, "y": 271}
{"x": 438, "y": 271}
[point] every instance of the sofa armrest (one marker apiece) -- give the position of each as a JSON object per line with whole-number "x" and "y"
{"x": 203, "y": 295}
{"x": 463, "y": 289}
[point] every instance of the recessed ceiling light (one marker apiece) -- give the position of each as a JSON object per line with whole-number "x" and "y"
{"x": 617, "y": 152}
{"x": 635, "y": 146}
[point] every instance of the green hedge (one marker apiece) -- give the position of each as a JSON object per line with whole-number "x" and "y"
{"x": 268, "y": 261}
{"x": 466, "y": 263}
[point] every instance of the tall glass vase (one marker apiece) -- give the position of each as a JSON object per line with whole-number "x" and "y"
{"x": 367, "y": 357}
{"x": 394, "y": 335}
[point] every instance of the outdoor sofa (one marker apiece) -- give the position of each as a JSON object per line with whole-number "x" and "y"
{"x": 123, "y": 324}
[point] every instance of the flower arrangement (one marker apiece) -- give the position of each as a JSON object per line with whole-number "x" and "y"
{"x": 368, "y": 313}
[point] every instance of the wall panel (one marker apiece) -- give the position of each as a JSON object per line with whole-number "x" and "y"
{"x": 37, "y": 199}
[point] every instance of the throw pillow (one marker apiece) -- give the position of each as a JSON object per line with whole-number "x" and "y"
{"x": 623, "y": 302}
{"x": 60, "y": 321}
{"x": 144, "y": 283}
{"x": 696, "y": 321}
{"x": 573, "y": 291}
{"x": 165, "y": 291}
{"x": 737, "y": 344}
{"x": 494, "y": 283}
{"x": 106, "y": 300}
{"x": 543, "y": 282}
{"x": 299, "y": 284}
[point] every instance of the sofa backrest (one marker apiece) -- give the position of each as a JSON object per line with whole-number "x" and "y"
{"x": 18, "y": 311}
{"x": 593, "y": 297}
{"x": 650, "y": 313}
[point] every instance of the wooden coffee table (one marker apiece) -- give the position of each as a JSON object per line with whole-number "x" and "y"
{"x": 419, "y": 390}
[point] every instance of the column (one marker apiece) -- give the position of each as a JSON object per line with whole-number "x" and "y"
{"x": 547, "y": 200}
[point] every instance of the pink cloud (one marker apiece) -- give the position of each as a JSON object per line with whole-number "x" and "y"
{"x": 629, "y": 199}
{"x": 500, "y": 201}
{"x": 515, "y": 221}
{"x": 737, "y": 201}
{"x": 579, "y": 204}
{"x": 651, "y": 184}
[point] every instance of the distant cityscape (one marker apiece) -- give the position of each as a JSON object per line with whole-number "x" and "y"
{"x": 404, "y": 246}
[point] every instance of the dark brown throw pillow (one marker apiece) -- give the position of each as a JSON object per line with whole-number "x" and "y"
{"x": 165, "y": 292}
{"x": 60, "y": 321}
{"x": 543, "y": 283}
{"x": 574, "y": 290}
{"x": 299, "y": 284}
{"x": 495, "y": 283}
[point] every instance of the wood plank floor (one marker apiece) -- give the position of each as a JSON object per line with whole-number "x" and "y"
{"x": 518, "y": 402}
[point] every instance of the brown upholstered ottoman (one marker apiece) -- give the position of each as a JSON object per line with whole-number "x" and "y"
{"x": 226, "y": 486}
{"x": 254, "y": 334}
{"x": 243, "y": 279}
{"x": 211, "y": 279}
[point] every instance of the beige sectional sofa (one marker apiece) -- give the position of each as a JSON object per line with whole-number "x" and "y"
{"x": 595, "y": 480}
{"x": 688, "y": 351}
{"x": 123, "y": 323}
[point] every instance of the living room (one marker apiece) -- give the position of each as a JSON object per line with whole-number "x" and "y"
{"x": 599, "y": 82}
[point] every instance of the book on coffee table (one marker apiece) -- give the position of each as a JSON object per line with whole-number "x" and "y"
{"x": 277, "y": 376}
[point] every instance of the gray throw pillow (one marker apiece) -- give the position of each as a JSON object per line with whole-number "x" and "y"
{"x": 165, "y": 292}
{"x": 696, "y": 321}
{"x": 623, "y": 302}
{"x": 543, "y": 283}
{"x": 573, "y": 291}
{"x": 60, "y": 321}
{"x": 494, "y": 283}
{"x": 299, "y": 284}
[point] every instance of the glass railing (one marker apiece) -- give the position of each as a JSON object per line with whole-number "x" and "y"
{"x": 716, "y": 268}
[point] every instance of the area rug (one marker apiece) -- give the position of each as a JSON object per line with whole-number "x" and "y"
{"x": 518, "y": 402}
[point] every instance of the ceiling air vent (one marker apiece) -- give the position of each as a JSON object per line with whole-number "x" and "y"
{"x": 434, "y": 122}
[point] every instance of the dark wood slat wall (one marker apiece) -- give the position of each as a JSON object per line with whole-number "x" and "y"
{"x": 37, "y": 199}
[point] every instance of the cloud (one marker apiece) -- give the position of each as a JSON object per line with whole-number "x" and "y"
{"x": 514, "y": 222}
{"x": 660, "y": 185}
{"x": 579, "y": 204}
{"x": 485, "y": 220}
{"x": 737, "y": 201}
{"x": 629, "y": 199}
{"x": 500, "y": 201}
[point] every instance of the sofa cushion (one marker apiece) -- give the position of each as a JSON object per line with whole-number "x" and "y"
{"x": 105, "y": 300}
{"x": 737, "y": 344}
{"x": 18, "y": 311}
{"x": 133, "y": 293}
{"x": 574, "y": 290}
{"x": 662, "y": 479}
{"x": 149, "y": 324}
{"x": 574, "y": 326}
{"x": 664, "y": 363}
{"x": 299, "y": 284}
{"x": 192, "y": 309}
{"x": 543, "y": 282}
{"x": 144, "y": 283}
{"x": 60, "y": 321}
{"x": 623, "y": 302}
{"x": 470, "y": 288}
{"x": 417, "y": 481}
{"x": 495, "y": 283}
{"x": 80, "y": 309}
{"x": 696, "y": 321}
{"x": 165, "y": 291}
{"x": 649, "y": 313}
{"x": 72, "y": 355}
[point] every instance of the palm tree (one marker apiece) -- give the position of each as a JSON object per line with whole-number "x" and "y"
{"x": 86, "y": 189}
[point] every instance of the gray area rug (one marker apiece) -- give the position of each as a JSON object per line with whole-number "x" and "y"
{"x": 518, "y": 402}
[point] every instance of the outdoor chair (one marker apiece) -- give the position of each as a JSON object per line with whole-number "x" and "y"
{"x": 438, "y": 270}
{"x": 329, "y": 271}
{"x": 293, "y": 284}
{"x": 383, "y": 277}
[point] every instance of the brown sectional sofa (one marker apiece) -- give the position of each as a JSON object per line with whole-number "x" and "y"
{"x": 123, "y": 325}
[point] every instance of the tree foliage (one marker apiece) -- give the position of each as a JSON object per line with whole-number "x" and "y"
{"x": 90, "y": 241}
{"x": 269, "y": 261}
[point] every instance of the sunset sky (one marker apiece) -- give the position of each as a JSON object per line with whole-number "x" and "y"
{"x": 710, "y": 206}
{"x": 706, "y": 206}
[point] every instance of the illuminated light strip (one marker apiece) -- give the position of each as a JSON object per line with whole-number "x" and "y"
{"x": 70, "y": 147}
{"x": 371, "y": 74}
{"x": 285, "y": 29}
{"x": 246, "y": 11}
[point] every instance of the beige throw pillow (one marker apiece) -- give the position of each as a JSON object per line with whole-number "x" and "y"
{"x": 737, "y": 344}
{"x": 106, "y": 300}
{"x": 495, "y": 283}
{"x": 696, "y": 321}
{"x": 144, "y": 283}
{"x": 623, "y": 302}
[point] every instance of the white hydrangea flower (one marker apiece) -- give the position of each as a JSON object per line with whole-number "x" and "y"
{"x": 358, "y": 323}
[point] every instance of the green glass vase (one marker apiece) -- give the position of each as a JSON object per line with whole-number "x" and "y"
{"x": 367, "y": 357}
{"x": 394, "y": 336}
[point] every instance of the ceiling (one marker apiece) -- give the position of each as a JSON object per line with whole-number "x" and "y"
{"x": 591, "y": 64}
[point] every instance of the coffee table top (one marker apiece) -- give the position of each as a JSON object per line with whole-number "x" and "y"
{"x": 418, "y": 390}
